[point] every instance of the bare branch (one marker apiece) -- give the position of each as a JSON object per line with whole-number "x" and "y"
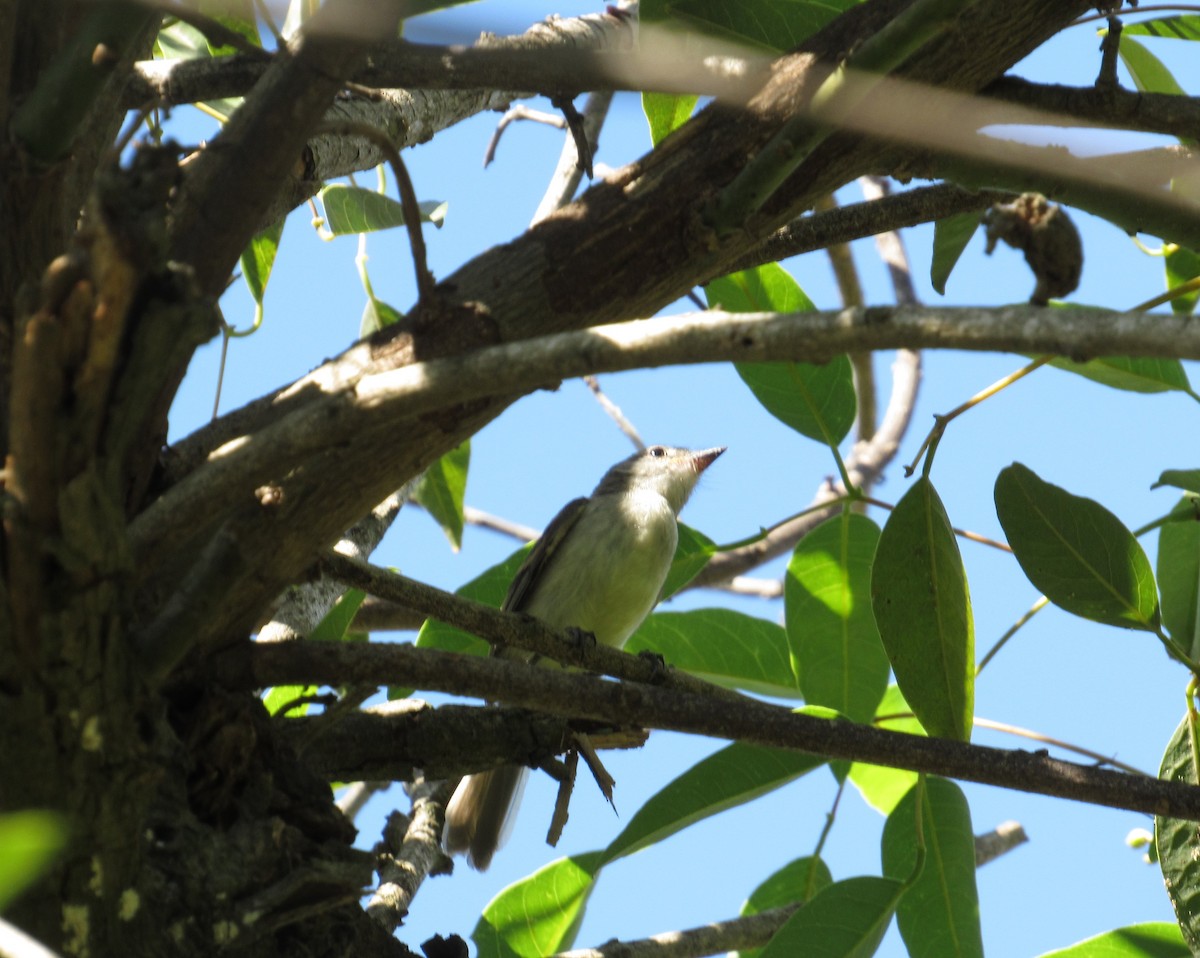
{"x": 344, "y": 401}
{"x": 744, "y": 720}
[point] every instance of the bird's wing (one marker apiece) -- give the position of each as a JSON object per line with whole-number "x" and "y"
{"x": 531, "y": 569}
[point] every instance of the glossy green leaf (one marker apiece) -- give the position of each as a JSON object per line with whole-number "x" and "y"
{"x": 1188, "y": 479}
{"x": 817, "y": 401}
{"x": 1076, "y": 552}
{"x": 880, "y": 786}
{"x": 258, "y": 258}
{"x": 1182, "y": 264}
{"x": 1178, "y": 842}
{"x": 847, "y": 919}
{"x": 442, "y": 489}
{"x": 923, "y": 610}
{"x": 794, "y": 883}
{"x": 691, "y": 555}
{"x": 776, "y": 24}
{"x": 182, "y": 41}
{"x": 1178, "y": 28}
{"x": 733, "y": 776}
{"x": 1154, "y": 939}
{"x": 1138, "y": 374}
{"x": 376, "y": 315}
{"x": 353, "y": 209}
{"x": 1150, "y": 74}
{"x": 666, "y": 112}
{"x": 726, "y": 647}
{"x": 538, "y": 915}
{"x": 836, "y": 651}
{"x": 1178, "y": 568}
{"x": 29, "y": 843}
{"x": 950, "y": 237}
{"x": 939, "y": 914}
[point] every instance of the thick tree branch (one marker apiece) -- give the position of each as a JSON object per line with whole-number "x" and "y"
{"x": 1111, "y": 107}
{"x": 346, "y": 402}
{"x": 561, "y": 66}
{"x": 496, "y": 679}
{"x": 580, "y": 267}
{"x": 231, "y": 184}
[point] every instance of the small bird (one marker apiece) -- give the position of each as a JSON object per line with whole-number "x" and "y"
{"x": 600, "y": 567}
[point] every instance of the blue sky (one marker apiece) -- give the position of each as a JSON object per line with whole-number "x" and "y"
{"x": 1110, "y": 690}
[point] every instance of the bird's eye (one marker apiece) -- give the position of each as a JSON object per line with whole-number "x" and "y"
{"x": 656, "y": 451}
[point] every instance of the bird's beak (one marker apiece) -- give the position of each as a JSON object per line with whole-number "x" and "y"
{"x": 703, "y": 459}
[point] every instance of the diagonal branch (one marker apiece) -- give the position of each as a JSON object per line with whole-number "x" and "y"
{"x": 749, "y": 721}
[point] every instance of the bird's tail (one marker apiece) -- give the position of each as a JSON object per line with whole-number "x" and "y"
{"x": 481, "y": 812}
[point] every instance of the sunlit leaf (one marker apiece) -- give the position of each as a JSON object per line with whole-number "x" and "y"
{"x": 847, "y": 919}
{"x": 691, "y": 556}
{"x": 939, "y": 914}
{"x": 442, "y": 489}
{"x": 1182, "y": 264}
{"x": 794, "y": 883}
{"x": 1150, "y": 74}
{"x": 538, "y": 915}
{"x": 731, "y": 777}
{"x": 353, "y": 209}
{"x": 1178, "y": 841}
{"x": 29, "y": 843}
{"x": 838, "y": 656}
{"x": 666, "y": 112}
{"x": 817, "y": 401}
{"x": 923, "y": 609}
{"x": 1178, "y": 568}
{"x": 1185, "y": 27}
{"x": 334, "y": 627}
{"x": 1141, "y": 374}
{"x": 1154, "y": 939}
{"x": 1076, "y": 552}
{"x": 775, "y": 24}
{"x": 950, "y": 237}
{"x": 722, "y": 646}
{"x": 880, "y": 786}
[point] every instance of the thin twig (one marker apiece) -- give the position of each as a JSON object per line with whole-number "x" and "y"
{"x": 514, "y": 113}
{"x": 408, "y": 197}
{"x": 614, "y": 412}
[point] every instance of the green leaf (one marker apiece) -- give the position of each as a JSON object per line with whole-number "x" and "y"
{"x": 29, "y": 843}
{"x": 1154, "y": 939}
{"x": 816, "y": 401}
{"x": 950, "y": 237}
{"x": 1178, "y": 28}
{"x": 1178, "y": 842}
{"x": 847, "y": 919}
{"x": 1149, "y": 73}
{"x": 538, "y": 915}
{"x": 666, "y": 112}
{"x": 1182, "y": 264}
{"x": 728, "y": 778}
{"x": 1188, "y": 479}
{"x": 1076, "y": 552}
{"x": 880, "y": 786}
{"x": 722, "y": 646}
{"x": 836, "y": 651}
{"x": 1178, "y": 568}
{"x": 376, "y": 315}
{"x": 258, "y": 258}
{"x": 1137, "y": 375}
{"x": 354, "y": 209}
{"x": 923, "y": 609}
{"x": 776, "y": 24}
{"x": 939, "y": 915}
{"x": 794, "y": 883}
{"x": 489, "y": 587}
{"x": 691, "y": 555}
{"x": 442, "y": 489}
